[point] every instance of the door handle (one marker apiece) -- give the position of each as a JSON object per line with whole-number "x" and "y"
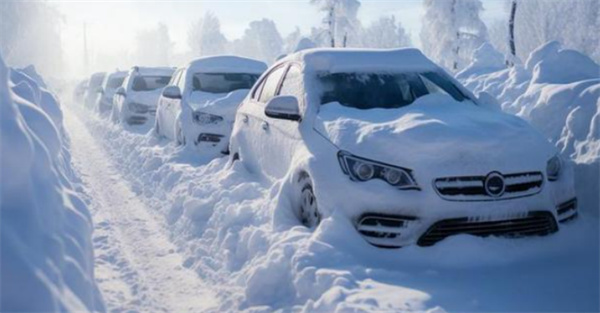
{"x": 265, "y": 126}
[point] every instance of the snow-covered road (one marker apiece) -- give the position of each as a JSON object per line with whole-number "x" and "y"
{"x": 137, "y": 267}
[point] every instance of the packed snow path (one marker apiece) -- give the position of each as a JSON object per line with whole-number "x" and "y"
{"x": 137, "y": 267}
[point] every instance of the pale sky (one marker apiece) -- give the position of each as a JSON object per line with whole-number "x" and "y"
{"x": 112, "y": 24}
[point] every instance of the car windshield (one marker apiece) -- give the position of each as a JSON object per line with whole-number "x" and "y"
{"x": 383, "y": 90}
{"x": 115, "y": 82}
{"x": 96, "y": 80}
{"x": 148, "y": 83}
{"x": 223, "y": 82}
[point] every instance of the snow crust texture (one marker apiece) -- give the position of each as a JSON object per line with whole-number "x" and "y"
{"x": 557, "y": 90}
{"x": 46, "y": 256}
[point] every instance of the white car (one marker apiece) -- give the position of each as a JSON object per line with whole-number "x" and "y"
{"x": 95, "y": 82}
{"x": 199, "y": 104}
{"x": 134, "y": 103}
{"x": 391, "y": 141}
{"x": 105, "y": 93}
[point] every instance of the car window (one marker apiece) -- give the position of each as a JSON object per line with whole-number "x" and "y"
{"x": 223, "y": 82}
{"x": 115, "y": 82}
{"x": 292, "y": 84}
{"x": 383, "y": 90}
{"x": 270, "y": 85}
{"x": 148, "y": 83}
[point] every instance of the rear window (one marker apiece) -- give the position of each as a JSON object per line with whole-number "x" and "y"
{"x": 223, "y": 82}
{"x": 386, "y": 91}
{"x": 115, "y": 82}
{"x": 148, "y": 83}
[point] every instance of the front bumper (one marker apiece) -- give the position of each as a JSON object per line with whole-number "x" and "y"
{"x": 394, "y": 231}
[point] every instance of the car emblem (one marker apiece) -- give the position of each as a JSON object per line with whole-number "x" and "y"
{"x": 494, "y": 184}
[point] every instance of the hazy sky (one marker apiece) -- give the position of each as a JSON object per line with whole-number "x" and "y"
{"x": 111, "y": 24}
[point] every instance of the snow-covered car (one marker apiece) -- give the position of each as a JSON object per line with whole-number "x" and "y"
{"x": 94, "y": 84}
{"x": 200, "y": 102}
{"x": 104, "y": 97}
{"x": 390, "y": 140}
{"x": 79, "y": 91}
{"x": 134, "y": 103}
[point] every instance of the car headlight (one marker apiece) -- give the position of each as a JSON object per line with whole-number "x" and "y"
{"x": 205, "y": 118}
{"x": 360, "y": 169}
{"x": 137, "y": 107}
{"x": 553, "y": 168}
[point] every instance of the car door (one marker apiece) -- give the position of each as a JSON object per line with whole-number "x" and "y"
{"x": 284, "y": 135}
{"x": 254, "y": 133}
{"x": 167, "y": 113}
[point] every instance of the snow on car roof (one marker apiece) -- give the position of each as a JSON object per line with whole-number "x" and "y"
{"x": 361, "y": 60}
{"x": 227, "y": 64}
{"x": 161, "y": 71}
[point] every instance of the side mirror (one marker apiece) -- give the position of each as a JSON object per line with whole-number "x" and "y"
{"x": 283, "y": 107}
{"x": 99, "y": 90}
{"x": 121, "y": 91}
{"x": 172, "y": 92}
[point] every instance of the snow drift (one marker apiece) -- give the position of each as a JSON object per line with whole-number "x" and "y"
{"x": 557, "y": 90}
{"x": 46, "y": 254}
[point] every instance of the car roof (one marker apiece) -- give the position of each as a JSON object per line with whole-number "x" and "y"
{"x": 227, "y": 64}
{"x": 160, "y": 71}
{"x": 336, "y": 60}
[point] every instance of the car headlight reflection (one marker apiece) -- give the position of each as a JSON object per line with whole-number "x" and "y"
{"x": 360, "y": 169}
{"x": 206, "y": 118}
{"x": 553, "y": 168}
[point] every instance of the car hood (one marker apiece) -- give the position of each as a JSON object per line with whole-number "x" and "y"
{"x": 149, "y": 98}
{"x": 222, "y": 104}
{"x": 437, "y": 136}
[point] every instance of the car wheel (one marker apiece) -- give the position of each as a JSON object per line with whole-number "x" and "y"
{"x": 180, "y": 136}
{"x": 306, "y": 201}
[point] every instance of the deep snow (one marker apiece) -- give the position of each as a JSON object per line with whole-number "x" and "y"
{"x": 46, "y": 257}
{"x": 227, "y": 224}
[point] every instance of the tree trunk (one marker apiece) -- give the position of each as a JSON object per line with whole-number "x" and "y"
{"x": 511, "y": 30}
{"x": 456, "y": 48}
{"x": 332, "y": 25}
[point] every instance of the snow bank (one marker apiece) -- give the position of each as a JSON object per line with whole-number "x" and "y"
{"x": 557, "y": 91}
{"x": 46, "y": 254}
{"x": 240, "y": 234}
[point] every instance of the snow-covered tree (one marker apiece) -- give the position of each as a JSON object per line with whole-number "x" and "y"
{"x": 573, "y": 23}
{"x": 452, "y": 30}
{"x": 205, "y": 36}
{"x": 385, "y": 33}
{"x": 341, "y": 27}
{"x": 291, "y": 41}
{"x": 153, "y": 46}
{"x": 261, "y": 41}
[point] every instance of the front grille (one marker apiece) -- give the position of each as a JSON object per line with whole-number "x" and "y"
{"x": 472, "y": 188}
{"x": 536, "y": 223}
{"x": 383, "y": 230}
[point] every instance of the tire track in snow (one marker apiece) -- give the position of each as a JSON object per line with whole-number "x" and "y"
{"x": 137, "y": 267}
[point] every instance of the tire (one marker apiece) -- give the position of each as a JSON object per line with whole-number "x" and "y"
{"x": 306, "y": 201}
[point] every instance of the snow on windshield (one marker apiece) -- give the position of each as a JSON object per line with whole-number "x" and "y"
{"x": 148, "y": 83}
{"x": 223, "y": 82}
{"x": 383, "y": 90}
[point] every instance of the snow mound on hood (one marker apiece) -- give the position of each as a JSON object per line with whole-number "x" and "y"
{"x": 46, "y": 254}
{"x": 227, "y": 64}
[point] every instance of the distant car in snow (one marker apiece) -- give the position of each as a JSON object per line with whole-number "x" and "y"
{"x": 400, "y": 147}
{"x": 105, "y": 93}
{"x": 200, "y": 102}
{"x": 134, "y": 103}
{"x": 94, "y": 83}
{"x": 79, "y": 91}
